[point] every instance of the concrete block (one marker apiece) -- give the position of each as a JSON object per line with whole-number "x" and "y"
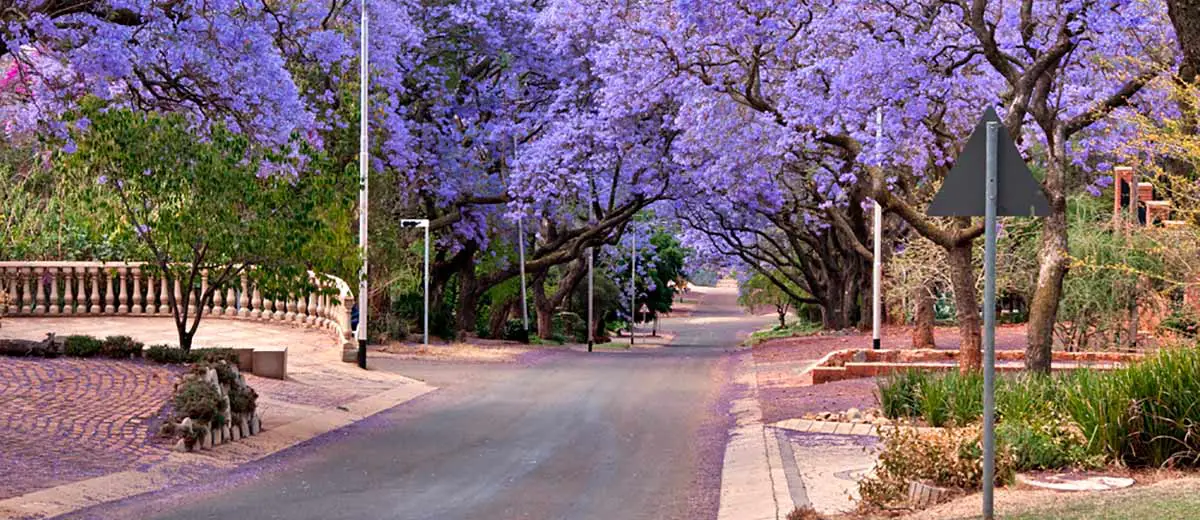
{"x": 271, "y": 363}
{"x": 245, "y": 359}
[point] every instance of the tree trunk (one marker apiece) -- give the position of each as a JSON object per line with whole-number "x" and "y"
{"x": 966, "y": 303}
{"x": 543, "y": 307}
{"x": 1052, "y": 269}
{"x": 782, "y": 311}
{"x": 922, "y": 336}
{"x": 499, "y": 317}
{"x": 1185, "y": 18}
{"x": 468, "y": 293}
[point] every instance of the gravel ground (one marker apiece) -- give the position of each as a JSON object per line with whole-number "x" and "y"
{"x": 781, "y": 403}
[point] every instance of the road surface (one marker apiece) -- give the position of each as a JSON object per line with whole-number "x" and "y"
{"x": 607, "y": 435}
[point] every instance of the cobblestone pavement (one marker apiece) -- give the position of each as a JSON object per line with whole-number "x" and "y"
{"x": 64, "y": 420}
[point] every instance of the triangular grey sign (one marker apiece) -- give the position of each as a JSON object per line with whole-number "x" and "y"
{"x": 1018, "y": 194}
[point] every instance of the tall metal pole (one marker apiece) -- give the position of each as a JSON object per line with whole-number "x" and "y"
{"x": 989, "y": 324}
{"x": 591, "y": 327}
{"x": 426, "y": 292}
{"x": 632, "y": 286}
{"x": 521, "y": 248}
{"x": 363, "y": 199}
{"x": 876, "y": 301}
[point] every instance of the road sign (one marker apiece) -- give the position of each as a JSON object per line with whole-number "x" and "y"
{"x": 1005, "y": 188}
{"x": 962, "y": 193}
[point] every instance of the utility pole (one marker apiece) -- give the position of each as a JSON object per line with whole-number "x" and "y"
{"x": 591, "y": 258}
{"x": 632, "y": 286}
{"x": 363, "y": 199}
{"x": 524, "y": 300}
{"x": 876, "y": 303}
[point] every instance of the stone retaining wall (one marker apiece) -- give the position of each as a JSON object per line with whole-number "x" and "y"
{"x": 858, "y": 363}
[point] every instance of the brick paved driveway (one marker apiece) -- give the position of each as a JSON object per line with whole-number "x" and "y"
{"x": 63, "y": 420}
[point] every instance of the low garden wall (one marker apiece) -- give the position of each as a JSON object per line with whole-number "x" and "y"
{"x": 858, "y": 363}
{"x": 127, "y": 289}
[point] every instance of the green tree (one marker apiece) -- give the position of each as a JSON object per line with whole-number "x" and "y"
{"x": 759, "y": 291}
{"x": 217, "y": 204}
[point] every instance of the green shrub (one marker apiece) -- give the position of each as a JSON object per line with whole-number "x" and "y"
{"x": 199, "y": 400}
{"x": 950, "y": 457}
{"x": 514, "y": 330}
{"x": 243, "y": 400}
{"x": 898, "y": 393}
{"x": 965, "y": 394}
{"x": 1182, "y": 321}
{"x": 82, "y": 346}
{"x": 168, "y": 355}
{"x": 1026, "y": 397}
{"x": 1143, "y": 415}
{"x": 1050, "y": 442}
{"x": 215, "y": 355}
{"x": 120, "y": 347}
{"x": 934, "y": 400}
{"x": 195, "y": 435}
{"x": 226, "y": 374}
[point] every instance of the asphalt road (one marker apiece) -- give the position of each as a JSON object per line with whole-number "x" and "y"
{"x": 606, "y": 435}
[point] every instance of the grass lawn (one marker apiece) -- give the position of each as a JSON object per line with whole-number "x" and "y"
{"x": 1145, "y": 502}
{"x": 795, "y": 328}
{"x": 1175, "y": 497}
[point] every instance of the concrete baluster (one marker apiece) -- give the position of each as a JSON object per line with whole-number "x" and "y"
{"x": 230, "y": 302}
{"x": 68, "y": 295}
{"x": 139, "y": 299}
{"x": 256, "y": 304}
{"x": 151, "y": 287}
{"x": 27, "y": 292}
{"x": 164, "y": 297}
{"x": 310, "y": 310}
{"x": 8, "y": 290}
{"x": 39, "y": 290}
{"x": 244, "y": 298}
{"x": 290, "y": 304}
{"x": 204, "y": 306}
{"x": 53, "y": 307}
{"x": 280, "y": 307}
{"x": 97, "y": 306}
{"x": 110, "y": 303}
{"x": 122, "y": 295}
{"x": 82, "y": 291}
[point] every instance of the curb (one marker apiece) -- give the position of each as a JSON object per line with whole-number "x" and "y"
{"x": 749, "y": 454}
{"x": 74, "y": 496}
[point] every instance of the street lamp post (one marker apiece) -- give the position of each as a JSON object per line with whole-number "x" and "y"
{"x": 363, "y": 200}
{"x": 422, "y": 223}
{"x": 524, "y": 299}
{"x": 876, "y": 302}
{"x": 591, "y": 327}
{"x": 632, "y": 286}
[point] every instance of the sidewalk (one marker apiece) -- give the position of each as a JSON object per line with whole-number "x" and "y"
{"x": 773, "y": 466}
{"x": 83, "y": 431}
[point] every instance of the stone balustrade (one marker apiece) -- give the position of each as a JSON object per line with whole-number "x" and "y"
{"x": 87, "y": 289}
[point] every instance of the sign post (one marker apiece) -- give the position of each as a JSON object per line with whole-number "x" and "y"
{"x": 1008, "y": 189}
